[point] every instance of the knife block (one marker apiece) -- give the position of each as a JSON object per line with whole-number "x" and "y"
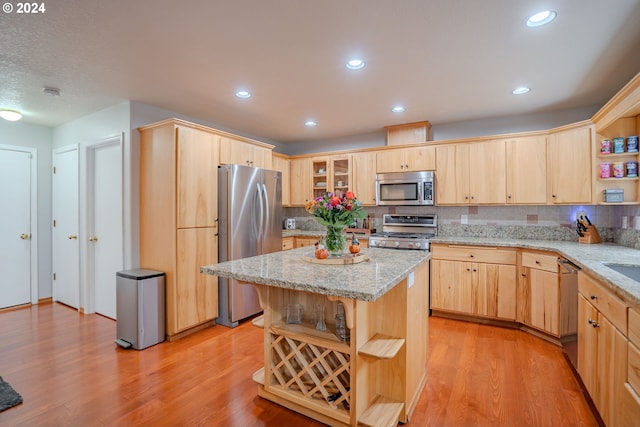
{"x": 590, "y": 236}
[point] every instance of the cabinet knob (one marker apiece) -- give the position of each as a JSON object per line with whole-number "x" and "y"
{"x": 471, "y": 256}
{"x": 524, "y": 275}
{"x": 509, "y": 196}
{"x": 594, "y": 323}
{"x": 475, "y": 269}
{"x": 468, "y": 269}
{"x": 553, "y": 195}
{"x": 594, "y": 297}
{"x": 537, "y": 262}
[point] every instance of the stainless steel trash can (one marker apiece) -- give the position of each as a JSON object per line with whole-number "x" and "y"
{"x": 140, "y": 310}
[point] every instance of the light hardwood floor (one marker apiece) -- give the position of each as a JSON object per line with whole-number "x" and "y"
{"x": 70, "y": 373}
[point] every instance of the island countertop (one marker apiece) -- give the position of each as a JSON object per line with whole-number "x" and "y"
{"x": 365, "y": 281}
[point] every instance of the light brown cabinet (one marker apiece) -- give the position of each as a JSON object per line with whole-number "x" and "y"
{"x": 547, "y": 294}
{"x": 410, "y": 159}
{"x": 526, "y": 163}
{"x": 288, "y": 243}
{"x": 364, "y": 177}
{"x": 471, "y": 173}
{"x": 281, "y": 164}
{"x": 475, "y": 281}
{"x": 178, "y": 218}
{"x": 234, "y": 151}
{"x": 569, "y": 165}
{"x": 602, "y": 348}
{"x": 300, "y": 181}
{"x": 331, "y": 174}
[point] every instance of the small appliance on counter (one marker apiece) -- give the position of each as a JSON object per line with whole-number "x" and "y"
{"x": 289, "y": 224}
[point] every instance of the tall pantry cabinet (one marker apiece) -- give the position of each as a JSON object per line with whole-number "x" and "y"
{"x": 179, "y": 218}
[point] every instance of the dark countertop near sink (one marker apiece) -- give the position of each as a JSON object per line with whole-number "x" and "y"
{"x": 592, "y": 258}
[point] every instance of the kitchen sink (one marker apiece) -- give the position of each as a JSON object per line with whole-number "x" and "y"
{"x": 631, "y": 271}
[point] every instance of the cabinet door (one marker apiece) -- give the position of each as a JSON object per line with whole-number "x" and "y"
{"x": 282, "y": 165}
{"x": 526, "y": 164}
{"x": 420, "y": 158}
{"x": 487, "y": 172}
{"x": 452, "y": 174}
{"x": 195, "y": 298}
{"x": 197, "y": 181}
{"x": 494, "y": 290}
{"x": 364, "y": 177}
{"x": 611, "y": 371}
{"x": 544, "y": 300}
{"x": 340, "y": 168}
{"x": 390, "y": 161}
{"x": 261, "y": 157}
{"x": 587, "y": 345}
{"x": 300, "y": 181}
{"x": 451, "y": 286}
{"x": 569, "y": 161}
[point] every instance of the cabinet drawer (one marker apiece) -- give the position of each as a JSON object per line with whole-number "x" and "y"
{"x": 634, "y": 328}
{"x": 474, "y": 254}
{"x": 609, "y": 305}
{"x": 540, "y": 261}
{"x": 287, "y": 243}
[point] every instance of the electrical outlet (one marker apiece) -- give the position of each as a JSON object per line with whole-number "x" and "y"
{"x": 464, "y": 219}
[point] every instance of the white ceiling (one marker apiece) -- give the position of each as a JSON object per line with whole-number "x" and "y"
{"x": 445, "y": 60}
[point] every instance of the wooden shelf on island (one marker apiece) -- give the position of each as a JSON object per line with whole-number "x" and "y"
{"x": 383, "y": 412}
{"x": 258, "y": 321}
{"x": 382, "y": 347}
{"x": 258, "y": 376}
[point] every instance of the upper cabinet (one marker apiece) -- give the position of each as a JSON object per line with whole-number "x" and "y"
{"x": 364, "y": 177}
{"x": 234, "y": 151}
{"x": 472, "y": 173}
{"x": 281, "y": 164}
{"x": 300, "y": 180}
{"x": 569, "y": 164}
{"x": 408, "y": 133}
{"x": 618, "y": 120}
{"x": 526, "y": 164}
{"x": 331, "y": 174}
{"x": 409, "y": 159}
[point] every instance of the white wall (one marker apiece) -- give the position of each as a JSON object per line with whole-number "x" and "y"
{"x": 88, "y": 130}
{"x": 38, "y": 137}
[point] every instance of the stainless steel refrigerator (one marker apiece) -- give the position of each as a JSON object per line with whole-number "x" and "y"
{"x": 249, "y": 223}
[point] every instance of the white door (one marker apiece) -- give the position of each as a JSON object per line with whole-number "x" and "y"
{"x": 66, "y": 258}
{"x": 106, "y": 223}
{"x": 15, "y": 228}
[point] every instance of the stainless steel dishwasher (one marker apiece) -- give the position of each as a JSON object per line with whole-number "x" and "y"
{"x": 569, "y": 278}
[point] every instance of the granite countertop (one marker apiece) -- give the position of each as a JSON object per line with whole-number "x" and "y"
{"x": 366, "y": 281}
{"x": 592, "y": 258}
{"x": 313, "y": 233}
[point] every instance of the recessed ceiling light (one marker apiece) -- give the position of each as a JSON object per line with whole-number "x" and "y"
{"x": 243, "y": 94}
{"x": 521, "y": 90}
{"x": 541, "y": 18}
{"x": 310, "y": 123}
{"x": 355, "y": 64}
{"x": 10, "y": 115}
{"x": 398, "y": 109}
{"x": 51, "y": 91}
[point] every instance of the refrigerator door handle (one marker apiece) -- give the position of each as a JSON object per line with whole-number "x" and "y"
{"x": 267, "y": 219}
{"x": 260, "y": 220}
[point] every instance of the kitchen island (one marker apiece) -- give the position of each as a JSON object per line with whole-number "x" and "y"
{"x": 370, "y": 373}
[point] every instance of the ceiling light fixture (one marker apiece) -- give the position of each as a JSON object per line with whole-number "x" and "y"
{"x": 521, "y": 90}
{"x": 355, "y": 64}
{"x": 310, "y": 123}
{"x": 541, "y": 18}
{"x": 243, "y": 94}
{"x": 10, "y": 115}
{"x": 398, "y": 109}
{"x": 51, "y": 91}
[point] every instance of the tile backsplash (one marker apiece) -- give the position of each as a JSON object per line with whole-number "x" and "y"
{"x": 619, "y": 224}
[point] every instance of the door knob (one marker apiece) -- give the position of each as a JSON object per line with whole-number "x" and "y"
{"x": 72, "y": 237}
{"x": 93, "y": 238}
{"x": 25, "y": 236}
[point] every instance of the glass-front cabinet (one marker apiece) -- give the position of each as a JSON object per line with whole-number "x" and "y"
{"x": 331, "y": 174}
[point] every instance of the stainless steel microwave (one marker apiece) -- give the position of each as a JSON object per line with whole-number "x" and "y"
{"x": 405, "y": 189}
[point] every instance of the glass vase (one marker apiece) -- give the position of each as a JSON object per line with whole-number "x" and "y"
{"x": 335, "y": 241}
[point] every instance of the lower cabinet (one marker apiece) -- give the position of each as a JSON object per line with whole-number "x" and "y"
{"x": 547, "y": 295}
{"x": 631, "y": 397}
{"x": 485, "y": 285}
{"x": 288, "y": 243}
{"x": 602, "y": 350}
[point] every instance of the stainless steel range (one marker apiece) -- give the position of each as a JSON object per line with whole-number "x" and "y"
{"x": 405, "y": 232}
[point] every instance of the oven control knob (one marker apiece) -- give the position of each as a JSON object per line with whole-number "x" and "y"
{"x": 410, "y": 245}
{"x": 382, "y": 243}
{"x": 397, "y": 244}
{"x": 418, "y": 245}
